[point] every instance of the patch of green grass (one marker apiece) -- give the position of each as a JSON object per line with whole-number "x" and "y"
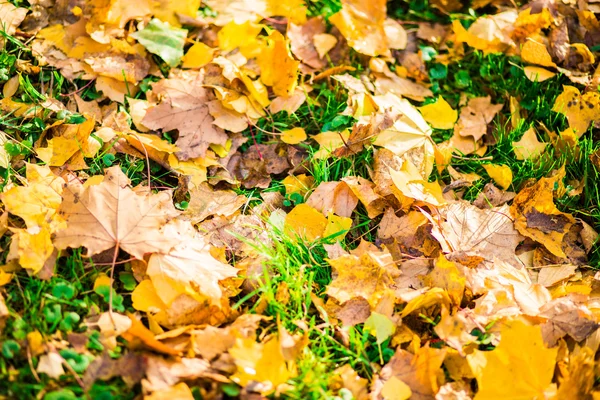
{"x": 295, "y": 273}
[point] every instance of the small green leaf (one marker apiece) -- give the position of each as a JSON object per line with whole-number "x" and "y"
{"x": 162, "y": 39}
{"x": 9, "y": 348}
{"x": 69, "y": 321}
{"x": 63, "y": 290}
{"x": 64, "y": 394}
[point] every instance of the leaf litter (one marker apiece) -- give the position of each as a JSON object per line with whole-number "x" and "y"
{"x": 279, "y": 199}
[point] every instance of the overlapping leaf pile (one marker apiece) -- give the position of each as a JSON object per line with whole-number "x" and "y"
{"x": 485, "y": 298}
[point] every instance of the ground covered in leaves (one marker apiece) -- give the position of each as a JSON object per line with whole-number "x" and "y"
{"x": 338, "y": 199}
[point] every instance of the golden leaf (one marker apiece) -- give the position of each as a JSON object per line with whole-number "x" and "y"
{"x": 519, "y": 367}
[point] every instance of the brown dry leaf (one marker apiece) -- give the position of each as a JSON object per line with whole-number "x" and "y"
{"x": 111, "y": 214}
{"x": 184, "y": 107}
{"x": 364, "y": 190}
{"x": 362, "y": 24}
{"x": 537, "y": 217}
{"x": 302, "y": 42}
{"x": 475, "y": 117}
{"x": 566, "y": 316}
{"x": 551, "y": 275}
{"x": 206, "y": 202}
{"x": 388, "y": 82}
{"x": 336, "y": 197}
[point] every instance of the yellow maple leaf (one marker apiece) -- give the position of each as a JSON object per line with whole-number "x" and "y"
{"x": 37, "y": 202}
{"x": 278, "y": 68}
{"x": 34, "y": 249}
{"x": 260, "y": 362}
{"x": 305, "y": 222}
{"x": 362, "y": 24}
{"x": 412, "y": 185}
{"x": 187, "y": 268}
{"x": 440, "y": 114}
{"x": 520, "y": 367}
{"x": 580, "y": 109}
{"x": 501, "y": 174}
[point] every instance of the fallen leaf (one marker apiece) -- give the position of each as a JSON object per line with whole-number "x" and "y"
{"x": 538, "y": 74}
{"x": 111, "y": 214}
{"x": 336, "y": 197}
{"x": 260, "y": 362}
{"x": 501, "y": 174}
{"x": 162, "y": 39}
{"x": 537, "y": 217}
{"x": 188, "y": 268}
{"x": 293, "y": 136}
{"x": 303, "y": 45}
{"x": 580, "y": 109}
{"x": 362, "y": 24}
{"x": 323, "y": 43}
{"x": 420, "y": 372}
{"x": 480, "y": 234}
{"x": 475, "y": 117}
{"x": 440, "y": 114}
{"x": 529, "y": 147}
{"x": 519, "y": 367}
{"x": 367, "y": 276}
{"x": 197, "y": 56}
{"x": 278, "y": 67}
{"x": 534, "y": 52}
{"x": 305, "y": 222}
{"x": 381, "y": 326}
{"x": 184, "y": 107}
{"x": 51, "y": 365}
